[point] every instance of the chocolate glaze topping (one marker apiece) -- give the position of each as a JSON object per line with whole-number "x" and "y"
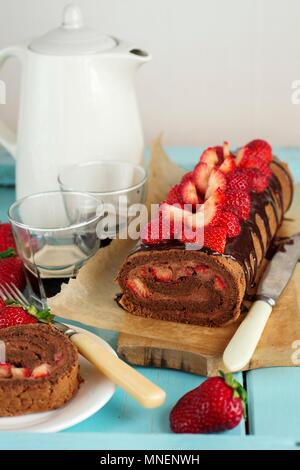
{"x": 241, "y": 248}
{"x": 278, "y": 244}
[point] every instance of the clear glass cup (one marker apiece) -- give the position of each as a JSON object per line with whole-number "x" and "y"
{"x": 118, "y": 184}
{"x": 55, "y": 234}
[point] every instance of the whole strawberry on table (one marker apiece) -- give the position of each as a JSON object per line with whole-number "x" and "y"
{"x": 12, "y": 270}
{"x": 11, "y": 266}
{"x": 6, "y": 237}
{"x": 218, "y": 404}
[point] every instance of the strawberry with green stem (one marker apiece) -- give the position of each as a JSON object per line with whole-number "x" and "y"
{"x": 218, "y": 404}
{"x": 13, "y": 314}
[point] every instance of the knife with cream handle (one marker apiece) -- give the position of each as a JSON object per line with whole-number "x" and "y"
{"x": 241, "y": 347}
{"x": 135, "y": 384}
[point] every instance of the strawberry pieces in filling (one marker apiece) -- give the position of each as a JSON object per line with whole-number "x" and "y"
{"x": 9, "y": 371}
{"x": 160, "y": 281}
{"x": 162, "y": 274}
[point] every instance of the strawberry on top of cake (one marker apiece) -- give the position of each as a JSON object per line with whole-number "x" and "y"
{"x": 218, "y": 193}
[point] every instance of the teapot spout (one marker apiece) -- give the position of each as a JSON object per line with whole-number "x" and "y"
{"x": 140, "y": 55}
{"x": 134, "y": 55}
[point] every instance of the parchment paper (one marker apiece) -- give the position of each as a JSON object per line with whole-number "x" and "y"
{"x": 90, "y": 297}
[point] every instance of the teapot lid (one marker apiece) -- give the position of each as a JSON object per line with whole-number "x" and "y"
{"x": 72, "y": 37}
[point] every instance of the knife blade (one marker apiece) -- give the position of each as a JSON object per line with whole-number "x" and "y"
{"x": 279, "y": 270}
{"x": 242, "y": 345}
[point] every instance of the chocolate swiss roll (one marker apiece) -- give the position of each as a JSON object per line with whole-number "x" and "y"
{"x": 41, "y": 371}
{"x": 243, "y": 198}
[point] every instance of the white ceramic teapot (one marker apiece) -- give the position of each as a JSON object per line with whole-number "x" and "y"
{"x": 77, "y": 102}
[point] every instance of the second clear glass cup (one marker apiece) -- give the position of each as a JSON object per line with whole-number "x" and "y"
{"x": 117, "y": 184}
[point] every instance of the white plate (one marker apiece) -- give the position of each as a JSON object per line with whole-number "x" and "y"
{"x": 94, "y": 393}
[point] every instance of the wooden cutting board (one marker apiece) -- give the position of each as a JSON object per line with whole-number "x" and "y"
{"x": 279, "y": 344}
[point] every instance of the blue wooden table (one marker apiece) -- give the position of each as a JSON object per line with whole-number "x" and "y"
{"x": 274, "y": 394}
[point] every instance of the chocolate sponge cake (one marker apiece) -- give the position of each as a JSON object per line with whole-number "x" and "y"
{"x": 41, "y": 371}
{"x": 241, "y": 199}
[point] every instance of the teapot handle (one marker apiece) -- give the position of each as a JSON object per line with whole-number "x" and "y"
{"x": 7, "y": 137}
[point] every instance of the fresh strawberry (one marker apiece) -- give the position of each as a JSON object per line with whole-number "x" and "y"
{"x": 11, "y": 316}
{"x": 174, "y": 195}
{"x": 185, "y": 192}
{"x": 219, "y": 283}
{"x": 216, "y": 405}
{"x": 217, "y": 180}
{"x": 173, "y": 218}
{"x": 20, "y": 372}
{"x": 228, "y": 165}
{"x": 5, "y": 370}
{"x": 201, "y": 176}
{"x": 209, "y": 212}
{"x": 215, "y": 238}
{"x": 254, "y": 153}
{"x": 190, "y": 235}
{"x": 42, "y": 371}
{"x": 220, "y": 152}
{"x": 6, "y": 237}
{"x": 189, "y": 193}
{"x": 238, "y": 202}
{"x": 187, "y": 177}
{"x": 185, "y": 230}
{"x": 11, "y": 268}
{"x": 2, "y": 303}
{"x": 212, "y": 157}
{"x": 265, "y": 169}
{"x": 249, "y": 179}
{"x": 162, "y": 273}
{"x": 261, "y": 148}
{"x": 138, "y": 287}
{"x": 231, "y": 222}
{"x": 258, "y": 164}
{"x": 240, "y": 179}
{"x": 226, "y": 151}
{"x": 156, "y": 231}
{"x": 259, "y": 181}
